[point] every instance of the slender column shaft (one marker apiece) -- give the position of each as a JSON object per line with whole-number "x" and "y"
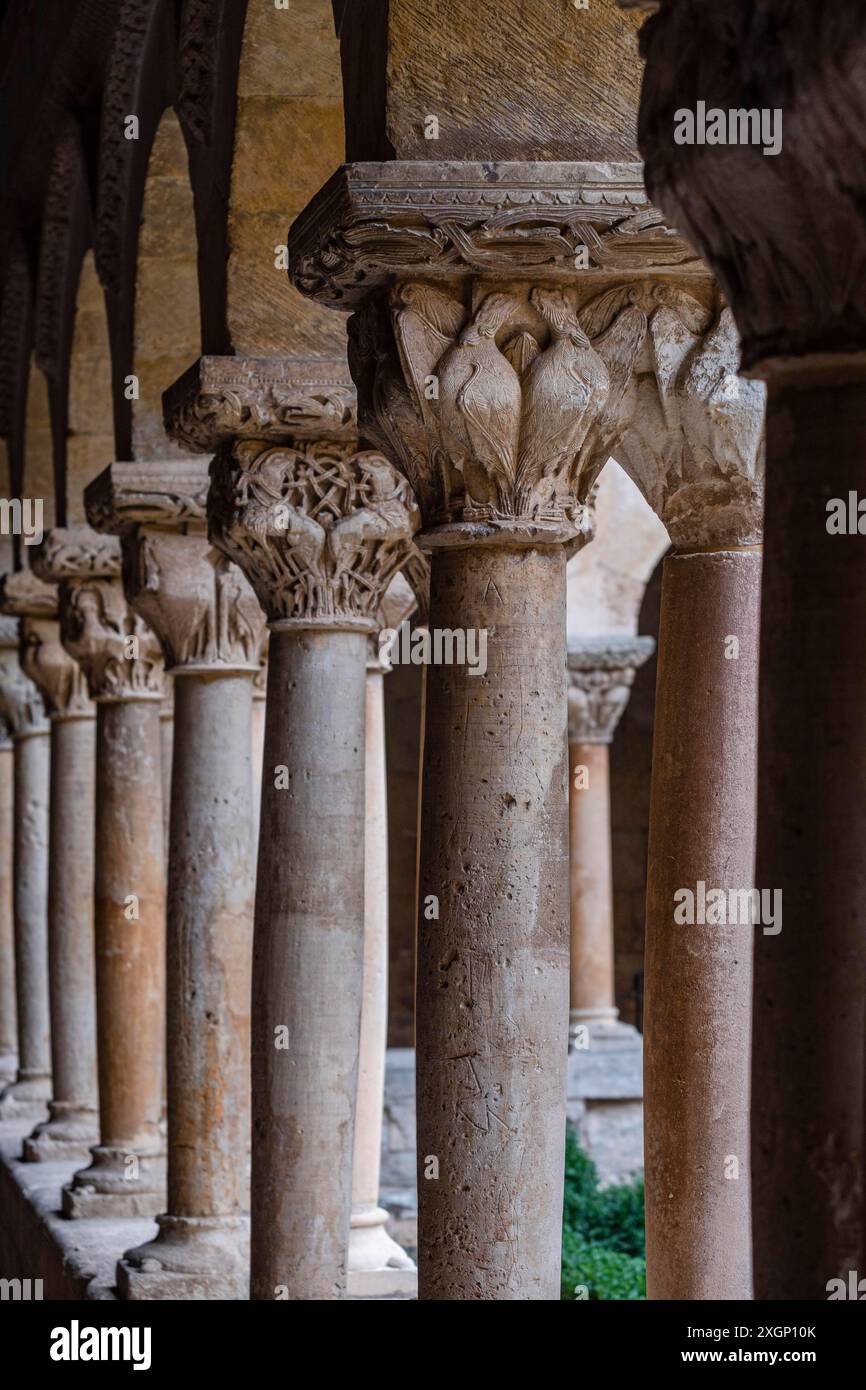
{"x": 31, "y": 775}
{"x": 8, "y": 1018}
{"x": 130, "y": 963}
{"x": 307, "y": 959}
{"x": 258, "y": 753}
{"x": 373, "y": 1255}
{"x": 73, "y": 1123}
{"x": 592, "y": 977}
{"x": 129, "y": 863}
{"x": 492, "y": 1001}
{"x": 698, "y": 977}
{"x": 209, "y": 914}
{"x": 810, "y": 981}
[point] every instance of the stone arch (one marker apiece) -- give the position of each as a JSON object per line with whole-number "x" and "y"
{"x": 166, "y": 334}
{"x": 607, "y": 580}
{"x": 16, "y": 332}
{"x": 140, "y": 82}
{"x": 65, "y": 236}
{"x": 90, "y": 438}
{"x": 37, "y": 480}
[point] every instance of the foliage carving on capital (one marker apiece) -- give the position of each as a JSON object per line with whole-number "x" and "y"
{"x": 119, "y": 654}
{"x": 319, "y": 530}
{"x": 198, "y": 603}
{"x": 501, "y": 411}
{"x": 694, "y": 443}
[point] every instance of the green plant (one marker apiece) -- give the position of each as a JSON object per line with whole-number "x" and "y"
{"x": 603, "y": 1244}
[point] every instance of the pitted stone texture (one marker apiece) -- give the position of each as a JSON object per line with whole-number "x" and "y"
{"x": 492, "y": 995}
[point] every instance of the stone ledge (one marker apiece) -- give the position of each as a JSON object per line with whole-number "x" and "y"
{"x": 74, "y": 1259}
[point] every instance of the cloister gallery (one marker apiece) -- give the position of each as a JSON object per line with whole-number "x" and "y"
{"x": 414, "y": 745}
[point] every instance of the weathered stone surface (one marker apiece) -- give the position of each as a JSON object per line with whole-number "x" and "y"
{"x": 222, "y": 399}
{"x": 523, "y": 79}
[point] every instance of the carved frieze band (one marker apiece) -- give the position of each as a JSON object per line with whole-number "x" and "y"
{"x": 601, "y": 672}
{"x": 371, "y": 222}
{"x": 222, "y": 399}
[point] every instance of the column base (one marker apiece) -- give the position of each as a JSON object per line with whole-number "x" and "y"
{"x": 70, "y": 1133}
{"x": 8, "y": 1068}
{"x": 27, "y": 1098}
{"x": 107, "y": 1189}
{"x": 377, "y": 1267}
{"x": 198, "y": 1258}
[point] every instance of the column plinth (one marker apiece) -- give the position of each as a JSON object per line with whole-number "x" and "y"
{"x": 493, "y": 362}
{"x": 26, "y": 1097}
{"x": 211, "y": 629}
{"x": 319, "y": 528}
{"x": 122, "y": 663}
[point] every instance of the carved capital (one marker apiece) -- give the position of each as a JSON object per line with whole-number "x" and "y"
{"x": 120, "y": 656}
{"x": 199, "y": 604}
{"x": 372, "y": 222}
{"x": 694, "y": 443}
{"x": 784, "y": 231}
{"x": 21, "y": 704}
{"x": 59, "y": 678}
{"x": 223, "y": 399}
{"x": 319, "y": 531}
{"x": 501, "y": 406}
{"x": 601, "y": 672}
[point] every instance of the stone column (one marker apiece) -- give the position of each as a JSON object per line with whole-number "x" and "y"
{"x": 166, "y": 752}
{"x": 122, "y": 662}
{"x": 378, "y": 1267}
{"x": 695, "y": 448}
{"x": 72, "y": 1127}
{"x": 319, "y": 529}
{"x": 601, "y": 672}
{"x": 22, "y": 707}
{"x": 493, "y": 371}
{"x": 804, "y": 333}
{"x": 8, "y": 1016}
{"x": 211, "y": 629}
{"x": 260, "y": 696}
